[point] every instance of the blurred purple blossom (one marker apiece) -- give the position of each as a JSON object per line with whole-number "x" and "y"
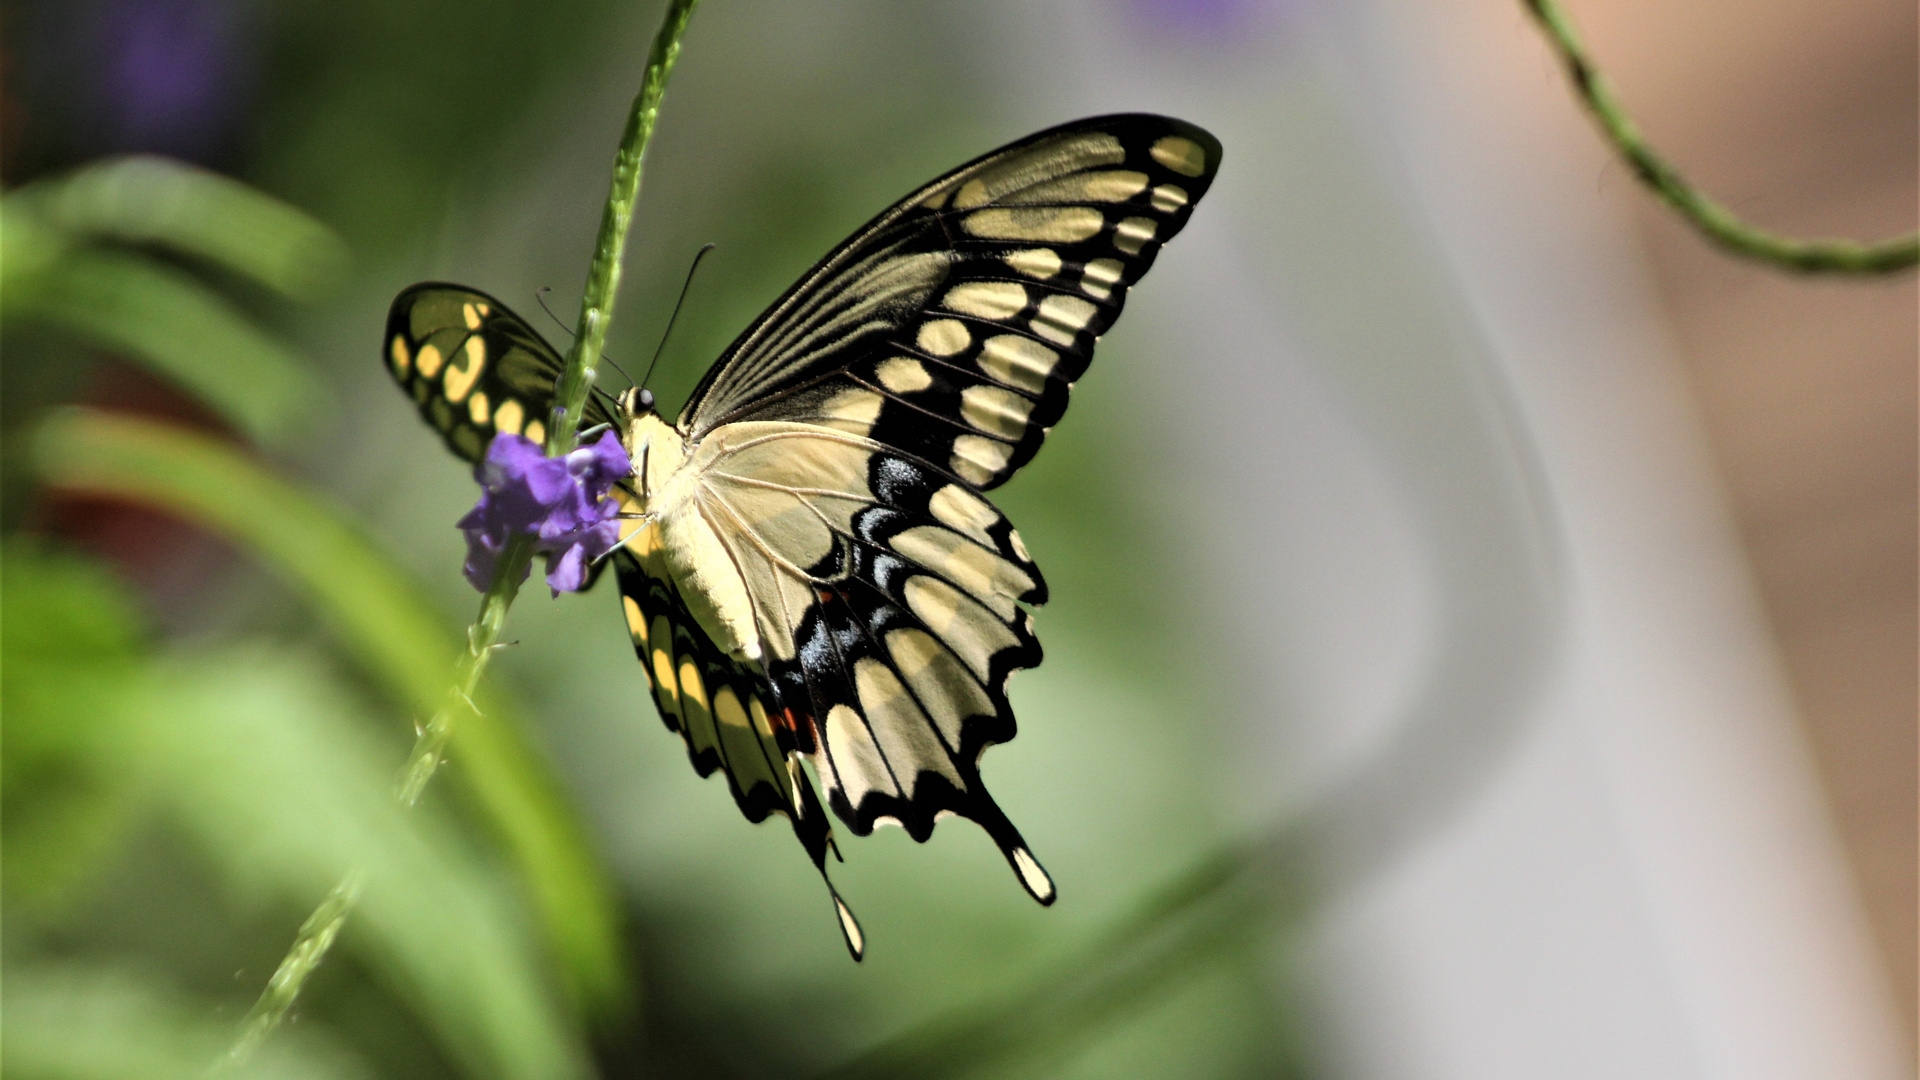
{"x": 562, "y": 502}
{"x": 172, "y": 73}
{"x": 1208, "y": 18}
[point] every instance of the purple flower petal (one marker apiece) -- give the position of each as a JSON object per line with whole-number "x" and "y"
{"x": 563, "y": 502}
{"x": 567, "y": 572}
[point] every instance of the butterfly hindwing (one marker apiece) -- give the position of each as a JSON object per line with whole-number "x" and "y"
{"x": 473, "y": 367}
{"x": 887, "y": 595}
{"x": 953, "y": 326}
{"x": 725, "y": 711}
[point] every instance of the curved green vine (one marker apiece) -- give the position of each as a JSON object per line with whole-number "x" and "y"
{"x": 1703, "y": 212}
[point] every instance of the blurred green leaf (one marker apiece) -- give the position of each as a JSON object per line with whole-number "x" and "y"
{"x": 379, "y": 615}
{"x": 171, "y": 321}
{"x": 266, "y": 764}
{"x": 70, "y": 643}
{"x": 69, "y": 1024}
{"x": 28, "y": 247}
{"x": 152, "y": 200}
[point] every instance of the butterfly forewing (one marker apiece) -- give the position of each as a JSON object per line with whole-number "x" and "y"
{"x": 473, "y": 367}
{"x": 953, "y": 325}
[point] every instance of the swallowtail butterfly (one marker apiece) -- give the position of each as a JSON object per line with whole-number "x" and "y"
{"x": 812, "y": 572}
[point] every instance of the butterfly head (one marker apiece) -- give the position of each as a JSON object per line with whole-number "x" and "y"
{"x": 656, "y": 449}
{"x": 636, "y": 402}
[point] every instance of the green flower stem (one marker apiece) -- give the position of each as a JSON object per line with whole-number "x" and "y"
{"x": 1709, "y": 216}
{"x": 603, "y": 279}
{"x": 309, "y": 948}
{"x": 429, "y": 748}
{"x": 317, "y": 934}
{"x": 596, "y": 311}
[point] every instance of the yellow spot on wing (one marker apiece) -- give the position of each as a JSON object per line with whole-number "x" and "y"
{"x": 428, "y": 360}
{"x": 996, "y": 411}
{"x": 972, "y": 193}
{"x": 1169, "y": 197}
{"x": 987, "y": 299}
{"x": 727, "y": 710}
{"x": 1113, "y": 185}
{"x": 963, "y": 512}
{"x": 1053, "y": 225}
{"x": 1100, "y": 276}
{"x": 944, "y": 337}
{"x": 903, "y": 375}
{"x": 636, "y": 620}
{"x": 509, "y": 416}
{"x": 663, "y": 677}
{"x": 968, "y": 629}
{"x": 992, "y": 580}
{"x": 856, "y": 759}
{"x": 1180, "y": 154}
{"x": 1037, "y": 165}
{"x": 1117, "y": 185}
{"x": 1061, "y": 317}
{"x": 471, "y": 315}
{"x": 692, "y": 690}
{"x": 904, "y": 733}
{"x": 535, "y": 431}
{"x": 949, "y": 693}
{"x": 1132, "y": 234}
{"x": 402, "y": 359}
{"x": 853, "y": 411}
{"x": 477, "y": 407}
{"x": 461, "y": 376}
{"x": 1041, "y": 263}
{"x": 978, "y": 460}
{"x": 1018, "y": 362}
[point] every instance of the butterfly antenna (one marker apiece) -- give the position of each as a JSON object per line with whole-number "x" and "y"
{"x": 677, "y": 304}
{"x": 540, "y": 295}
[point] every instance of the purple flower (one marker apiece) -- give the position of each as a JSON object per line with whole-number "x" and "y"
{"x": 562, "y": 502}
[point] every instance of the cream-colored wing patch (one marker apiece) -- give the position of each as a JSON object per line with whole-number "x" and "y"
{"x": 1037, "y": 263}
{"x": 997, "y": 300}
{"x": 944, "y": 337}
{"x": 1019, "y": 362}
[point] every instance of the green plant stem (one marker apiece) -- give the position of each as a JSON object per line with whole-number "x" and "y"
{"x": 429, "y": 749}
{"x": 309, "y": 948}
{"x": 317, "y": 934}
{"x": 1709, "y": 216}
{"x": 430, "y": 746}
{"x": 603, "y": 278}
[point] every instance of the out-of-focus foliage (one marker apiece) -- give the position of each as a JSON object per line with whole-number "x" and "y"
{"x": 66, "y": 258}
{"x": 71, "y": 648}
{"x": 254, "y": 755}
{"x": 77, "y": 1024}
{"x": 271, "y": 769}
{"x": 393, "y": 633}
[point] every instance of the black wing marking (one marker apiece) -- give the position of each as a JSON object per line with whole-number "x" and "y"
{"x": 473, "y": 367}
{"x": 953, "y": 325}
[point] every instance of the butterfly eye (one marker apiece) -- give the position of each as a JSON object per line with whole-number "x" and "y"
{"x": 636, "y": 402}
